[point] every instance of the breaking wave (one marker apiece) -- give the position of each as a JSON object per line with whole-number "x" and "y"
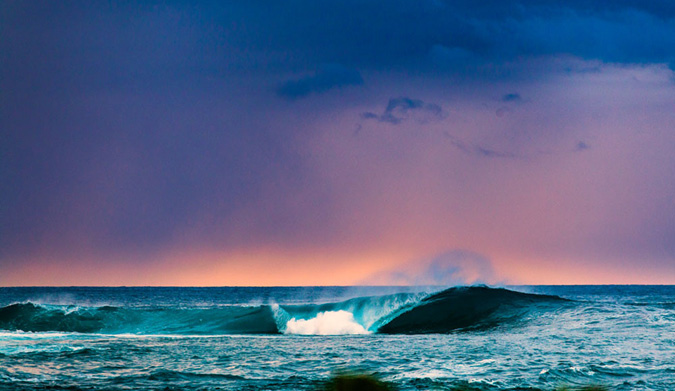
{"x": 326, "y": 323}
{"x": 453, "y": 309}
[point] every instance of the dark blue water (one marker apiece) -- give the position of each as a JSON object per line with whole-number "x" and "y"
{"x": 520, "y": 338}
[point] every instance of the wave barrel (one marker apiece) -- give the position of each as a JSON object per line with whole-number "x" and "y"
{"x": 460, "y": 308}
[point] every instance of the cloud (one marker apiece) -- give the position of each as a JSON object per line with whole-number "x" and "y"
{"x": 450, "y": 268}
{"x": 459, "y": 36}
{"x": 581, "y": 146}
{"x": 477, "y": 150}
{"x": 328, "y": 77}
{"x": 403, "y": 108}
{"x": 511, "y": 97}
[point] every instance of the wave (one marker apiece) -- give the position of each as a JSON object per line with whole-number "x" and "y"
{"x": 121, "y": 320}
{"x": 467, "y": 308}
{"x": 403, "y": 313}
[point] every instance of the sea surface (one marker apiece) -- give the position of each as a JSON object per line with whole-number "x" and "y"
{"x": 297, "y": 338}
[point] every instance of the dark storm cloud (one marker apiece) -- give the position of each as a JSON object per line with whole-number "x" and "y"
{"x": 330, "y": 76}
{"x": 402, "y": 108}
{"x": 460, "y": 34}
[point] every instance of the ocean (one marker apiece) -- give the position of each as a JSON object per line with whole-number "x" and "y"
{"x": 298, "y": 338}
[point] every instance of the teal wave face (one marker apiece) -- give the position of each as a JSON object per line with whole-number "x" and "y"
{"x": 116, "y": 320}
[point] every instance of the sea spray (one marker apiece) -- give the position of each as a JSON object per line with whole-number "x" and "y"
{"x": 281, "y": 317}
{"x": 326, "y": 323}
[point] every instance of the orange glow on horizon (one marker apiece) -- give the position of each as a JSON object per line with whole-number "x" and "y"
{"x": 261, "y": 268}
{"x": 283, "y": 268}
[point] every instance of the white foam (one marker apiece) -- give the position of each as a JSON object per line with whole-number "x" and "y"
{"x": 326, "y": 323}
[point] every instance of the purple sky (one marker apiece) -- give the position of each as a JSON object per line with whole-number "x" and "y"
{"x": 305, "y": 143}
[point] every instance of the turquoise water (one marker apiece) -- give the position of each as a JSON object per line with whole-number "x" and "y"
{"x": 423, "y": 338}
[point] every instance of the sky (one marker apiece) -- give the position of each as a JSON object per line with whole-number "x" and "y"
{"x": 297, "y": 142}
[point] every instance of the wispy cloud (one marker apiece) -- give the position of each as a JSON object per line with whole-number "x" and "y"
{"x": 326, "y": 78}
{"x": 511, "y": 97}
{"x": 581, "y": 146}
{"x": 478, "y": 150}
{"x": 403, "y": 108}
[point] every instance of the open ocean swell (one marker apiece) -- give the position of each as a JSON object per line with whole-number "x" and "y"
{"x": 479, "y": 338}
